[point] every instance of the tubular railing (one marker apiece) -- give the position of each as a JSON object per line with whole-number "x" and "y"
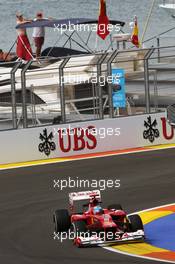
{"x": 101, "y": 97}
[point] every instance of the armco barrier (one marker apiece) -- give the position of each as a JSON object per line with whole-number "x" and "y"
{"x": 85, "y": 138}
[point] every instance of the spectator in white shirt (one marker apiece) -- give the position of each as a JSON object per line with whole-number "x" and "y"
{"x": 38, "y": 35}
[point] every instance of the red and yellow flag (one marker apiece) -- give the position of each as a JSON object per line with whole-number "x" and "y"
{"x": 135, "y": 34}
{"x": 103, "y": 21}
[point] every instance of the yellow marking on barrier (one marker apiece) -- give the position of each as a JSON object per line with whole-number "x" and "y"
{"x": 161, "y": 146}
{"x": 84, "y": 156}
{"x": 148, "y": 217}
{"x": 32, "y": 163}
{"x": 138, "y": 248}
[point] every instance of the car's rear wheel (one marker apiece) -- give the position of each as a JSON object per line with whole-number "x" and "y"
{"x": 115, "y": 206}
{"x": 61, "y": 220}
{"x": 135, "y": 223}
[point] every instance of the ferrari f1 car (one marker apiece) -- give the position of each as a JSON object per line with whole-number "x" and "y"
{"x": 94, "y": 225}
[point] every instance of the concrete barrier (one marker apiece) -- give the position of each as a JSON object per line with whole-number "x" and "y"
{"x": 85, "y": 138}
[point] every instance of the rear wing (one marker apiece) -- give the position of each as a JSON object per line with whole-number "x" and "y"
{"x": 87, "y": 195}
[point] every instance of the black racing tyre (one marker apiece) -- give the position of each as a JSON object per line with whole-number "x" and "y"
{"x": 61, "y": 220}
{"x": 79, "y": 228}
{"x": 135, "y": 223}
{"x": 115, "y": 206}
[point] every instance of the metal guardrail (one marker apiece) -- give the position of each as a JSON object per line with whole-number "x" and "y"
{"x": 101, "y": 65}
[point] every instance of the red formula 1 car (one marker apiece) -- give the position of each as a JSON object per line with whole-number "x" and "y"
{"x": 95, "y": 225}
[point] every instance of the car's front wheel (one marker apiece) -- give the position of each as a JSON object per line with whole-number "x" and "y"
{"x": 135, "y": 223}
{"x": 80, "y": 230}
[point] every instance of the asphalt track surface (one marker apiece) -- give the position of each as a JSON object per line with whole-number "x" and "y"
{"x": 28, "y": 199}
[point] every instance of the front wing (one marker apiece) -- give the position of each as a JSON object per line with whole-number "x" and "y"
{"x": 125, "y": 238}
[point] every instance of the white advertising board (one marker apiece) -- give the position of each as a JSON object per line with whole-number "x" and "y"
{"x": 85, "y": 138}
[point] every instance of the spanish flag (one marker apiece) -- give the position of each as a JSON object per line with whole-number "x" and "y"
{"x": 135, "y": 34}
{"x": 103, "y": 21}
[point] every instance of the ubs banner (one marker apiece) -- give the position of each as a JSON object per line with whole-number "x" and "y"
{"x": 85, "y": 138}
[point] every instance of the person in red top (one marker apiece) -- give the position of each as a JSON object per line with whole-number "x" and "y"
{"x": 23, "y": 49}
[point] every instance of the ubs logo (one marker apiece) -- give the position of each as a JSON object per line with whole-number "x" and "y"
{"x": 75, "y": 140}
{"x": 151, "y": 132}
{"x": 47, "y": 144}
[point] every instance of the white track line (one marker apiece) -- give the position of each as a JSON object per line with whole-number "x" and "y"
{"x": 137, "y": 256}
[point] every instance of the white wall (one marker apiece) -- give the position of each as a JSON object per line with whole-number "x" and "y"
{"x": 22, "y": 145}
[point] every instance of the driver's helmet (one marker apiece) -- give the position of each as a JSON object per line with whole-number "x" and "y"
{"x": 97, "y": 209}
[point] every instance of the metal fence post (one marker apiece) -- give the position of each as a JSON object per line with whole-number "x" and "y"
{"x": 109, "y": 73}
{"x": 24, "y": 99}
{"x": 158, "y": 49}
{"x": 146, "y": 78}
{"x": 61, "y": 82}
{"x": 13, "y": 94}
{"x": 100, "y": 93}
